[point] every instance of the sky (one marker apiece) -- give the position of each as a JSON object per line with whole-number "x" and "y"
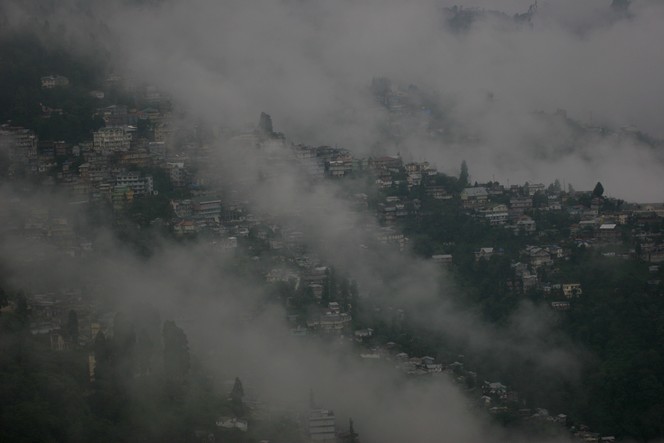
{"x": 310, "y": 63}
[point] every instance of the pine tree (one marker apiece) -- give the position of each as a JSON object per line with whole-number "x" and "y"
{"x": 463, "y": 176}
{"x": 352, "y": 435}
{"x": 599, "y": 190}
{"x": 4, "y": 300}
{"x": 123, "y": 346}
{"x": 102, "y": 354}
{"x": 176, "y": 351}
{"x": 72, "y": 326}
{"x": 22, "y": 309}
{"x": 344, "y": 294}
{"x": 265, "y": 125}
{"x": 312, "y": 400}
{"x": 237, "y": 393}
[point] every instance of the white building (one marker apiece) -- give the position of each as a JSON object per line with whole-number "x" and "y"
{"x": 132, "y": 179}
{"x": 322, "y": 426}
{"x": 109, "y": 140}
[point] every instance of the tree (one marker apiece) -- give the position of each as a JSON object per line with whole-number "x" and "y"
{"x": 124, "y": 346}
{"x": 540, "y": 200}
{"x": 463, "y": 175}
{"x": 344, "y": 293}
{"x": 22, "y": 309}
{"x": 72, "y": 326}
{"x": 599, "y": 190}
{"x": 4, "y": 300}
{"x": 102, "y": 357}
{"x": 145, "y": 348}
{"x": 176, "y": 351}
{"x": 352, "y": 435}
{"x": 265, "y": 125}
{"x": 555, "y": 187}
{"x": 312, "y": 400}
{"x": 237, "y": 393}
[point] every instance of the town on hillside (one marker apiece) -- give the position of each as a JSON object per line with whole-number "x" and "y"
{"x": 134, "y": 167}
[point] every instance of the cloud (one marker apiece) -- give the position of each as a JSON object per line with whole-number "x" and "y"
{"x": 310, "y": 65}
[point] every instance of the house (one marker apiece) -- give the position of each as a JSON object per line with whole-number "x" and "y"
{"x": 232, "y": 423}
{"x": 322, "y": 426}
{"x": 339, "y": 167}
{"x": 206, "y": 208}
{"x": 363, "y": 333}
{"x": 538, "y": 257}
{"x": 525, "y": 225}
{"x": 54, "y": 81}
{"x": 521, "y": 204}
{"x": 529, "y": 281}
{"x": 495, "y": 388}
{"x": 437, "y": 193}
{"x": 426, "y": 360}
{"x": 535, "y": 188}
{"x": 474, "y": 197}
{"x": 496, "y": 214}
{"x": 110, "y": 140}
{"x": 556, "y": 251}
{"x": 572, "y": 290}
{"x": 442, "y": 258}
{"x": 330, "y": 322}
{"x": 385, "y": 162}
{"x": 185, "y": 227}
{"x": 483, "y": 253}
{"x": 134, "y": 181}
{"x": 560, "y": 305}
{"x": 608, "y": 232}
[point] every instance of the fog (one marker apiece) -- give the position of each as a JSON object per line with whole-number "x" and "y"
{"x": 310, "y": 64}
{"x": 234, "y": 331}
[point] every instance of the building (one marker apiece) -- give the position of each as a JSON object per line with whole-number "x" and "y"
{"x": 206, "y": 208}
{"x": 521, "y": 204}
{"x": 485, "y": 253}
{"x": 474, "y": 197}
{"x": 608, "y": 232}
{"x": 114, "y": 115}
{"x": 110, "y": 140}
{"x": 178, "y": 174}
{"x": 18, "y": 144}
{"x": 442, "y": 258}
{"x": 572, "y": 290}
{"x": 385, "y": 162}
{"x": 340, "y": 167}
{"x": 535, "y": 188}
{"x": 496, "y": 215}
{"x": 322, "y": 426}
{"x": 54, "y": 81}
{"x": 134, "y": 181}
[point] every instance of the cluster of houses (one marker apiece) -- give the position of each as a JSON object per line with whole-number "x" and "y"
{"x": 108, "y": 167}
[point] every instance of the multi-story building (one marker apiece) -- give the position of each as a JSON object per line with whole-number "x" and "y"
{"x": 110, "y": 140}
{"x": 54, "y": 81}
{"x": 133, "y": 180}
{"x": 18, "y": 145}
{"x": 322, "y": 426}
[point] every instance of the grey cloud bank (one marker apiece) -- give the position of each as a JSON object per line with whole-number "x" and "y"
{"x": 310, "y": 65}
